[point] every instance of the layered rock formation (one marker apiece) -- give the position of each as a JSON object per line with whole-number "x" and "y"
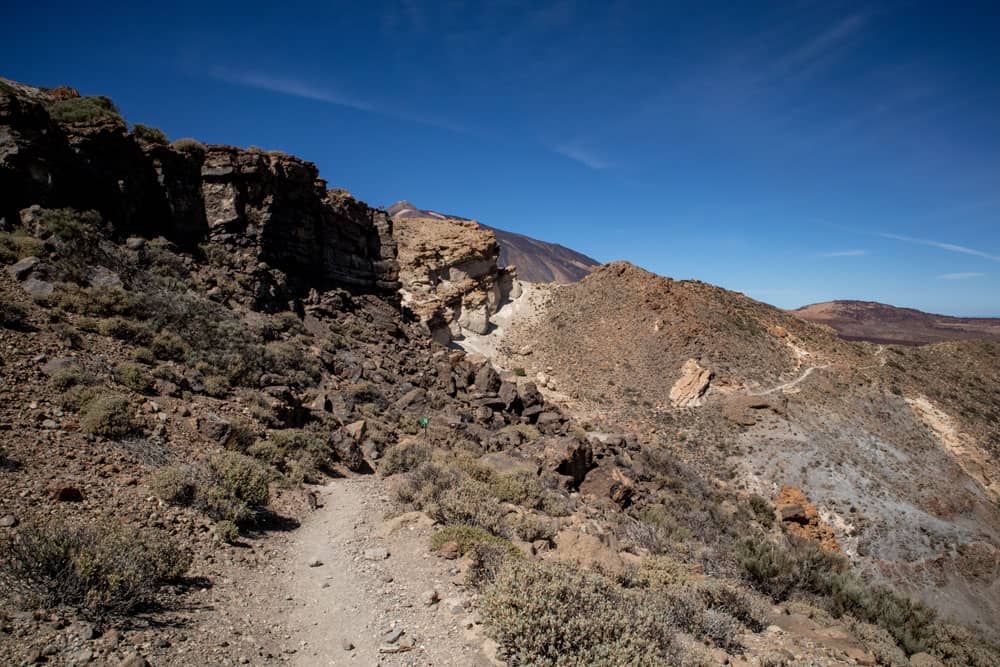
{"x": 536, "y": 261}
{"x": 270, "y": 211}
{"x": 449, "y": 274}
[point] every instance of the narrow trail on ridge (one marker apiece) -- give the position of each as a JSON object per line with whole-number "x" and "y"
{"x": 339, "y": 611}
{"x": 792, "y": 383}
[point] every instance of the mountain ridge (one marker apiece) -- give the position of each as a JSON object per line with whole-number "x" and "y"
{"x": 876, "y": 322}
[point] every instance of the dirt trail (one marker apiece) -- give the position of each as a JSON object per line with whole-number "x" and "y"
{"x": 789, "y": 385}
{"x": 353, "y": 598}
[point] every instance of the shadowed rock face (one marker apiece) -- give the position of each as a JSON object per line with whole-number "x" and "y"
{"x": 271, "y": 210}
{"x": 536, "y": 261}
{"x": 881, "y": 323}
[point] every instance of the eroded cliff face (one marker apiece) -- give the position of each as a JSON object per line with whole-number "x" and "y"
{"x": 286, "y": 232}
{"x": 449, "y": 275}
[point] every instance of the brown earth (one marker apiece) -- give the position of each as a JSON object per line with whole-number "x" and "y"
{"x": 881, "y": 323}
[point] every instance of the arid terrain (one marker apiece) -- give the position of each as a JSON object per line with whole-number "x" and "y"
{"x": 248, "y": 419}
{"x": 881, "y": 323}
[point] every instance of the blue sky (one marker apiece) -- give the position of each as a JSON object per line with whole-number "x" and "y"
{"x": 797, "y": 152}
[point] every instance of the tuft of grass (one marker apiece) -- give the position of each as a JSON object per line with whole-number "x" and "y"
{"x": 100, "y": 570}
{"x": 65, "y": 378}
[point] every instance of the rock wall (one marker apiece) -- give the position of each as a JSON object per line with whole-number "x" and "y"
{"x": 449, "y": 275}
{"x": 288, "y": 231}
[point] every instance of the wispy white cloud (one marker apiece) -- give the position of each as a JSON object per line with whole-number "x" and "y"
{"x": 584, "y": 156}
{"x": 845, "y": 253}
{"x": 950, "y": 247}
{"x": 330, "y": 95}
{"x": 966, "y": 275}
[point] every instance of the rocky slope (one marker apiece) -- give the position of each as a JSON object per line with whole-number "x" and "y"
{"x": 536, "y": 261}
{"x": 204, "y": 359}
{"x": 896, "y": 447}
{"x": 881, "y": 323}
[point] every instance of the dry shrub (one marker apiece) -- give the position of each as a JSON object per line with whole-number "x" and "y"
{"x": 109, "y": 416}
{"x": 547, "y": 614}
{"x": 403, "y": 457}
{"x": 99, "y": 570}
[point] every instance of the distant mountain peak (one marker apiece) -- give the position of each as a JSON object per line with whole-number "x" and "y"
{"x": 883, "y": 323}
{"x": 536, "y": 261}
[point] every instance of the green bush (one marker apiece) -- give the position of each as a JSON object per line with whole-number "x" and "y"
{"x": 762, "y": 510}
{"x": 192, "y": 147}
{"x": 227, "y": 532}
{"x": 100, "y": 570}
{"x": 423, "y": 488}
{"x": 467, "y": 537}
{"x": 127, "y": 330}
{"x": 77, "y": 396}
{"x": 109, "y": 416}
{"x": 85, "y": 110}
{"x": 135, "y": 377}
{"x": 216, "y": 386}
{"x": 298, "y": 454}
{"x": 546, "y": 614}
{"x": 803, "y": 567}
{"x": 12, "y": 316}
{"x": 228, "y": 487}
{"x": 403, "y": 457}
{"x": 520, "y": 372}
{"x": 18, "y": 245}
{"x": 64, "y": 378}
{"x": 470, "y": 502}
{"x": 101, "y": 302}
{"x": 72, "y": 226}
{"x": 168, "y": 346}
{"x": 149, "y": 134}
{"x": 531, "y": 529}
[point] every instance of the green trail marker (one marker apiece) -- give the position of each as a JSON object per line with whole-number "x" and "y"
{"x": 424, "y": 421}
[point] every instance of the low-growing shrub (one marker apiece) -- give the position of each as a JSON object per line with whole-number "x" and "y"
{"x": 12, "y": 316}
{"x": 149, "y": 134}
{"x": 168, "y": 346}
{"x": 423, "y": 488}
{"x": 86, "y": 109}
{"x": 77, "y": 228}
{"x": 190, "y": 146}
{"x": 134, "y": 376}
{"x": 762, "y": 510}
{"x": 551, "y": 615}
{"x": 803, "y": 567}
{"x": 101, "y": 302}
{"x": 77, "y": 396}
{"x": 228, "y": 487}
{"x": 109, "y": 416}
{"x": 17, "y": 245}
{"x": 298, "y": 454}
{"x": 127, "y": 330}
{"x": 470, "y": 502}
{"x": 227, "y": 531}
{"x": 216, "y": 386}
{"x": 99, "y": 570}
{"x": 403, "y": 457}
{"x": 531, "y": 529}
{"x": 67, "y": 377}
{"x": 467, "y": 537}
